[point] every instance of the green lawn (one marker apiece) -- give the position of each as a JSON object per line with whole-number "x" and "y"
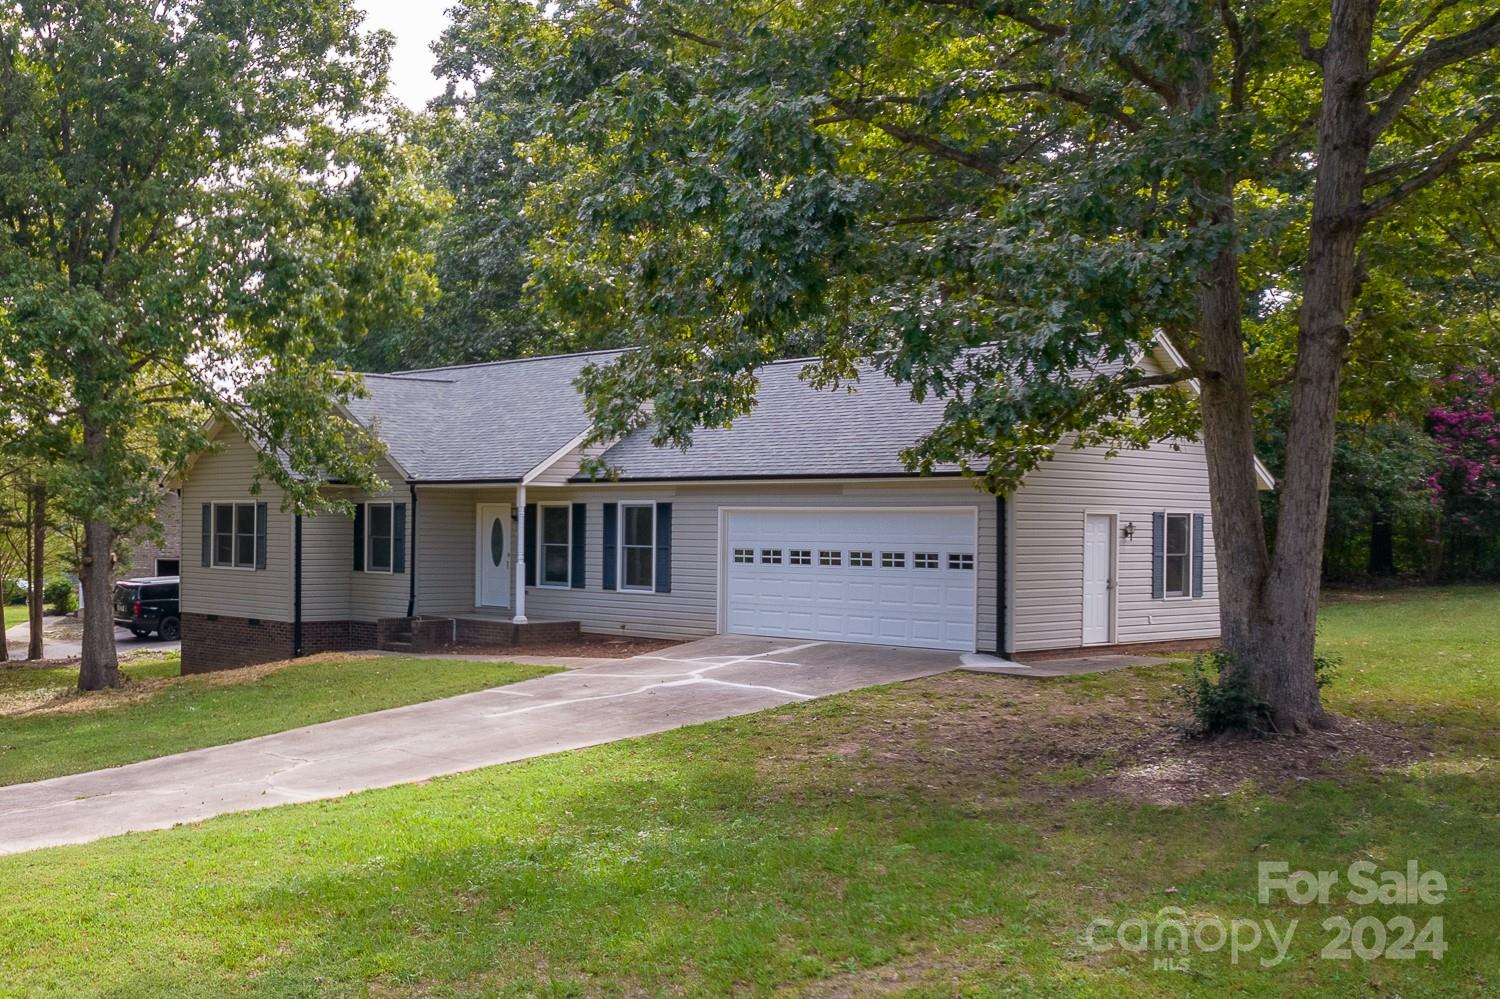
{"x": 46, "y": 731}
{"x": 15, "y": 614}
{"x": 951, "y": 836}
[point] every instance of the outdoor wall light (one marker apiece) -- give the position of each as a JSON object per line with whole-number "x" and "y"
{"x": 1128, "y": 531}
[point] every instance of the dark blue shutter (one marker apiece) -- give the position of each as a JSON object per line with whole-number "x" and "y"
{"x": 1197, "y": 554}
{"x": 208, "y": 534}
{"x": 579, "y": 540}
{"x": 398, "y": 538}
{"x": 359, "y": 537}
{"x": 611, "y": 530}
{"x": 260, "y": 535}
{"x": 663, "y": 548}
{"x": 1158, "y": 555}
{"x": 530, "y": 540}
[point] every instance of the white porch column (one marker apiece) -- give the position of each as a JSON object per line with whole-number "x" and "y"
{"x": 519, "y": 617}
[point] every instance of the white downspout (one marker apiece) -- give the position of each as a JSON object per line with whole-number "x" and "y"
{"x": 519, "y": 617}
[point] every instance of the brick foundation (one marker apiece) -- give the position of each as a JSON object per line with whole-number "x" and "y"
{"x": 476, "y": 631}
{"x": 212, "y": 642}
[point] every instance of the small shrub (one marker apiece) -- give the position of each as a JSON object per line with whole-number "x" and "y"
{"x": 1219, "y": 700}
{"x": 59, "y": 595}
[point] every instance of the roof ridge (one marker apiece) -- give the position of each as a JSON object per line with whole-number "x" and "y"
{"x": 508, "y": 360}
{"x": 400, "y": 378}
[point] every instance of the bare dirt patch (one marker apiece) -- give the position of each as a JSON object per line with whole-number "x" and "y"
{"x": 586, "y": 646}
{"x": 959, "y": 735}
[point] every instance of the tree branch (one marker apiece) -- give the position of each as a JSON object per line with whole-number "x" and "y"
{"x": 1442, "y": 164}
{"x": 1438, "y": 54}
{"x": 930, "y": 144}
{"x": 1240, "y": 61}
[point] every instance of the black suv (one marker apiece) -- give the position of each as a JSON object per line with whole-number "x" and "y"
{"x": 147, "y": 605}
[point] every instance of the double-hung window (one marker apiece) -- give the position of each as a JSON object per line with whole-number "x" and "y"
{"x": 637, "y": 546}
{"x": 1177, "y": 555}
{"x": 234, "y": 535}
{"x": 557, "y": 553}
{"x": 380, "y": 530}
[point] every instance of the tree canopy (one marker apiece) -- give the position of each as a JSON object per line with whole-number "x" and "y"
{"x": 1056, "y": 181}
{"x": 195, "y": 204}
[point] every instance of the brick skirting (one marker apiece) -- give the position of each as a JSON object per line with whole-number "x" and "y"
{"x": 212, "y": 642}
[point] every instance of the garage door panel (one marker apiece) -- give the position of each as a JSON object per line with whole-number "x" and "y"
{"x": 854, "y": 575}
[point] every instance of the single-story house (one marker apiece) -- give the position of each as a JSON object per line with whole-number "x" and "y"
{"x": 800, "y": 521}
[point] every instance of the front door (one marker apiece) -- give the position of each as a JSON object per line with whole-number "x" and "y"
{"x": 492, "y": 555}
{"x": 1098, "y": 581}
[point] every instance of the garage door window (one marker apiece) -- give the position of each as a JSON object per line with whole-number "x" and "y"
{"x": 770, "y": 556}
{"x": 829, "y": 558}
{"x": 893, "y": 560}
{"x": 638, "y": 546}
{"x": 960, "y": 560}
{"x": 800, "y": 556}
{"x": 924, "y": 560}
{"x": 861, "y": 560}
{"x": 744, "y": 556}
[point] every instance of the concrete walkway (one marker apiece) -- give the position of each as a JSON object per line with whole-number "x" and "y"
{"x": 701, "y": 681}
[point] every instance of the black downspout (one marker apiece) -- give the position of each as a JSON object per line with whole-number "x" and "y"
{"x": 411, "y": 565}
{"x": 1002, "y": 583}
{"x": 297, "y": 590}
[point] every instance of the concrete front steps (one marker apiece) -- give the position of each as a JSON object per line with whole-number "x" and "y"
{"x": 428, "y": 633}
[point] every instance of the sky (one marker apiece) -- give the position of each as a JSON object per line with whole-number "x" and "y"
{"x": 416, "y": 25}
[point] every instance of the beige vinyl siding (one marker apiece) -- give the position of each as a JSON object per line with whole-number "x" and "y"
{"x": 327, "y": 551}
{"x": 374, "y": 595}
{"x": 1047, "y": 517}
{"x": 446, "y": 550}
{"x": 225, "y": 476}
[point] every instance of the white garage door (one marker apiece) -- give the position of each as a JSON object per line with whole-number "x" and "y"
{"x": 884, "y": 577}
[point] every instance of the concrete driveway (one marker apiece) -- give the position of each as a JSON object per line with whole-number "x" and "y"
{"x": 701, "y": 681}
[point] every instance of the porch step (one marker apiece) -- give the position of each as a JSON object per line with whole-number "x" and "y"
{"x": 396, "y": 646}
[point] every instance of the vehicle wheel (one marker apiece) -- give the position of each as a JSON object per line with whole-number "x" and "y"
{"x": 141, "y": 632}
{"x": 171, "y": 630}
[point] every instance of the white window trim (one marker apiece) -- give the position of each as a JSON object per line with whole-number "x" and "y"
{"x": 620, "y": 554}
{"x": 369, "y": 522}
{"x": 541, "y": 546}
{"x": 213, "y": 536}
{"x": 1187, "y": 575}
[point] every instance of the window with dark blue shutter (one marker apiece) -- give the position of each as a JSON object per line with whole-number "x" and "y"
{"x": 1197, "y": 554}
{"x": 208, "y": 534}
{"x": 260, "y": 535}
{"x": 359, "y": 537}
{"x": 1158, "y": 548}
{"x": 530, "y": 542}
{"x": 611, "y": 539}
{"x": 398, "y": 538}
{"x": 663, "y": 548}
{"x": 580, "y": 539}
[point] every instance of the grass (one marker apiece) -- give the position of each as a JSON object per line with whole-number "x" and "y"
{"x": 936, "y": 838}
{"x": 14, "y": 614}
{"x": 46, "y": 730}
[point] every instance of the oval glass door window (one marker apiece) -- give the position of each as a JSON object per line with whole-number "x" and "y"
{"x": 497, "y": 541}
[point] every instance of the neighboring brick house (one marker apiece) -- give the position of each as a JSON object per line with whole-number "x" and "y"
{"x": 150, "y": 557}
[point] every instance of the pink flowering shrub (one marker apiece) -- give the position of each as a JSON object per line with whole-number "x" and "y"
{"x": 1465, "y": 487}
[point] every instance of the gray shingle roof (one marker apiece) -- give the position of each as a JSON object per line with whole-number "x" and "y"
{"x": 496, "y": 422}
{"x": 478, "y": 422}
{"x": 795, "y": 431}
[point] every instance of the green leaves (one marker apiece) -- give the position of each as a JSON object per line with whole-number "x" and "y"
{"x": 201, "y": 200}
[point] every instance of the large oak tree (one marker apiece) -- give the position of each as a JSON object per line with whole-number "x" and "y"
{"x": 192, "y": 212}
{"x": 730, "y": 181}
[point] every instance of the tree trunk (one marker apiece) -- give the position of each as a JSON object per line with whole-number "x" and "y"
{"x": 1382, "y": 546}
{"x": 36, "y": 569}
{"x": 99, "y": 668}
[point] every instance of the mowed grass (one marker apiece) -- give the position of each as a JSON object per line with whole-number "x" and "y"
{"x": 875, "y": 843}
{"x": 46, "y": 730}
{"x": 14, "y": 614}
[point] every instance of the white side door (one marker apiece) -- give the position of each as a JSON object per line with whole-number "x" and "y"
{"x": 492, "y": 543}
{"x": 1098, "y": 578}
